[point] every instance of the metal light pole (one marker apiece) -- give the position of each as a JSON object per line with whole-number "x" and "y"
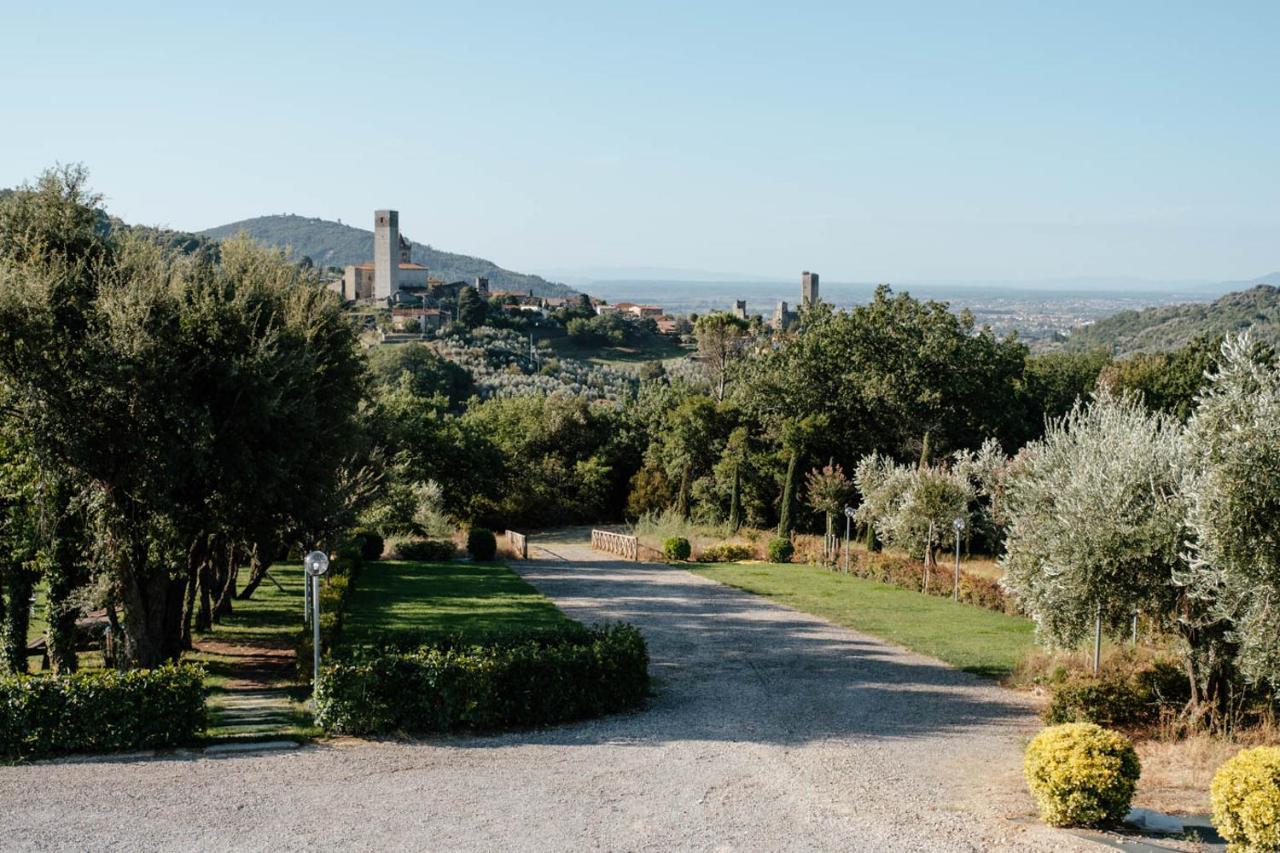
{"x": 317, "y": 563}
{"x": 848, "y": 522}
{"x": 957, "y": 527}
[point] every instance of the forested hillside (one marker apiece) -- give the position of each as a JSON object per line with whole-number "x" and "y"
{"x": 1172, "y": 326}
{"x": 334, "y": 244}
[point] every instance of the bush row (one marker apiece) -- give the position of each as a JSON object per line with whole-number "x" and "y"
{"x": 425, "y": 550}
{"x": 516, "y": 682}
{"x": 909, "y": 574}
{"x": 1128, "y": 697}
{"x": 726, "y": 552}
{"x": 102, "y": 711}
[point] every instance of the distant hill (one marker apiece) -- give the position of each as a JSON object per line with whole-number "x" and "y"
{"x": 334, "y": 244}
{"x": 1171, "y": 326}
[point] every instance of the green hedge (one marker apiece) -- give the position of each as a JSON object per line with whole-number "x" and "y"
{"x": 102, "y": 711}
{"x": 676, "y": 548}
{"x": 425, "y": 550}
{"x": 482, "y": 544}
{"x": 514, "y": 682}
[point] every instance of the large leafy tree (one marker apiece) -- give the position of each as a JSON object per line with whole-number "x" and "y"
{"x": 194, "y": 406}
{"x": 1233, "y": 498}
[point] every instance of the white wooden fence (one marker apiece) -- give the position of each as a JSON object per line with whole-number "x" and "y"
{"x": 624, "y": 546}
{"x": 519, "y": 544}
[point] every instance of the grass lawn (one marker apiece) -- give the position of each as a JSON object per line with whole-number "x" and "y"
{"x": 970, "y": 638}
{"x": 446, "y": 597}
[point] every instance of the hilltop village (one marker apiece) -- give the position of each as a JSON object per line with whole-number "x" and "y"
{"x": 413, "y": 302}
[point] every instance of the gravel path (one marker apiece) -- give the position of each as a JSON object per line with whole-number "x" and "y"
{"x": 769, "y": 730}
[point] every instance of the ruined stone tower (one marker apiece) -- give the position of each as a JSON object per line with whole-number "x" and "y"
{"x": 808, "y": 289}
{"x": 740, "y": 309}
{"x": 386, "y": 253}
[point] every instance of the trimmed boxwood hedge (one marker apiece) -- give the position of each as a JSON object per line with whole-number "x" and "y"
{"x": 103, "y": 711}
{"x": 512, "y": 682}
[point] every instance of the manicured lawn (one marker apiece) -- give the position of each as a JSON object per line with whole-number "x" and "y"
{"x": 970, "y": 638}
{"x": 482, "y": 598}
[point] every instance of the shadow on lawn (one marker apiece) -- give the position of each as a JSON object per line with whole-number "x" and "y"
{"x": 729, "y": 665}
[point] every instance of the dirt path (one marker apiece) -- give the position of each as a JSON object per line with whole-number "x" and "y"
{"x": 769, "y": 730}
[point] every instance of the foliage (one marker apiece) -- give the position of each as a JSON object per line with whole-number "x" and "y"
{"x": 913, "y": 506}
{"x": 1246, "y": 800}
{"x": 1169, "y": 327}
{"x": 1053, "y": 382}
{"x": 676, "y": 548}
{"x": 888, "y": 372}
{"x": 726, "y": 552}
{"x": 512, "y": 683}
{"x": 1081, "y": 774}
{"x": 481, "y": 544}
{"x": 1233, "y": 497}
{"x": 721, "y": 338}
{"x": 102, "y": 711}
{"x": 1096, "y": 520}
{"x": 1125, "y": 697}
{"x": 1165, "y": 382}
{"x": 179, "y": 396}
{"x": 430, "y": 373}
{"x": 427, "y": 550}
{"x": 780, "y": 550}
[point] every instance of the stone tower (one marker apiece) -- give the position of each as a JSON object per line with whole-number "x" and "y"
{"x": 808, "y": 289}
{"x": 386, "y": 254}
{"x": 780, "y": 316}
{"x": 740, "y": 309}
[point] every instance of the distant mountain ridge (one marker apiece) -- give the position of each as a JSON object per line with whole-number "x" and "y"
{"x": 1171, "y": 326}
{"x": 329, "y": 243}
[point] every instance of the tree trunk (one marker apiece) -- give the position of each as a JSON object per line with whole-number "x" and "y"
{"x": 682, "y": 499}
{"x": 259, "y": 562}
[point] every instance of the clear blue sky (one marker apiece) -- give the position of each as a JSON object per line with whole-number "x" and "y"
{"x": 870, "y": 141}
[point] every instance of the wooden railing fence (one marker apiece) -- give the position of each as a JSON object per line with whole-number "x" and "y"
{"x": 624, "y": 546}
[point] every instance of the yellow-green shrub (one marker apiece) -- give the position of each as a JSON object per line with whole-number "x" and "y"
{"x": 1246, "y": 799}
{"x": 1081, "y": 774}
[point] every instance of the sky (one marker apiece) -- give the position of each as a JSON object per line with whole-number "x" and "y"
{"x": 1001, "y": 141}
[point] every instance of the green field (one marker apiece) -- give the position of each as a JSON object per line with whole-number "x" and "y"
{"x": 482, "y": 598}
{"x": 660, "y": 349}
{"x": 970, "y": 638}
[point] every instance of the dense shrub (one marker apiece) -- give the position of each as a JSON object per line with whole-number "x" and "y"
{"x": 726, "y": 552}
{"x": 481, "y": 543}
{"x": 676, "y": 548}
{"x": 1246, "y": 799}
{"x": 1081, "y": 774}
{"x": 781, "y": 550}
{"x": 1129, "y": 695}
{"x": 371, "y": 544}
{"x": 907, "y": 573}
{"x": 425, "y": 550}
{"x": 509, "y": 683}
{"x": 101, "y": 711}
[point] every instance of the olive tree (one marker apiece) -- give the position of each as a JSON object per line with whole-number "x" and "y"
{"x": 1233, "y": 508}
{"x": 912, "y": 507}
{"x": 1095, "y": 520}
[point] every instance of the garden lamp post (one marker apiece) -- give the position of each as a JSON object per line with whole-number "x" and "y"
{"x": 316, "y": 564}
{"x": 957, "y": 527}
{"x": 848, "y": 523}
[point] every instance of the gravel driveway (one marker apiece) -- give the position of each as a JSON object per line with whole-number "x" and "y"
{"x": 769, "y": 730}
